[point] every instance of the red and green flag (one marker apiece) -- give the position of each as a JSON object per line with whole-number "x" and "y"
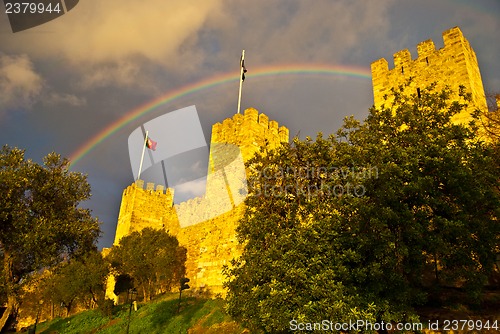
{"x": 151, "y": 144}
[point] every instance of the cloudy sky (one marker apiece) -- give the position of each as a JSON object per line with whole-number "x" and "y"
{"x": 67, "y": 81}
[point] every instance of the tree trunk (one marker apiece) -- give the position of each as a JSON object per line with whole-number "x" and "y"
{"x": 68, "y": 309}
{"x": 12, "y": 303}
{"x": 436, "y": 270}
{"x": 11, "y": 309}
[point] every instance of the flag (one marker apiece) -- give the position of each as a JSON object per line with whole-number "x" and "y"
{"x": 242, "y": 64}
{"x": 151, "y": 144}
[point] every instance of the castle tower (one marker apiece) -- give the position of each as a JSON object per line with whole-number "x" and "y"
{"x": 140, "y": 208}
{"x": 212, "y": 243}
{"x": 250, "y": 132}
{"x": 233, "y": 144}
{"x": 143, "y": 208}
{"x": 453, "y": 65}
{"x": 206, "y": 225}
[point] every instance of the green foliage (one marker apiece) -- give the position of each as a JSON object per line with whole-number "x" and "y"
{"x": 82, "y": 279}
{"x": 40, "y": 218}
{"x": 299, "y": 257}
{"x": 361, "y": 225}
{"x": 435, "y": 200}
{"x": 152, "y": 258}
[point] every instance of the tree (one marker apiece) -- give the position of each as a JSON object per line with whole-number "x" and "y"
{"x": 152, "y": 258}
{"x": 435, "y": 200}
{"x": 96, "y": 271}
{"x": 65, "y": 285}
{"x": 41, "y": 222}
{"x": 82, "y": 280}
{"x": 299, "y": 261}
{"x": 352, "y": 226}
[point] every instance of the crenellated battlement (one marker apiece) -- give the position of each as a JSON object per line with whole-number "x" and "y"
{"x": 453, "y": 65}
{"x": 160, "y": 189}
{"x": 250, "y": 119}
{"x": 233, "y": 130}
{"x": 250, "y": 131}
{"x": 453, "y": 40}
{"x": 425, "y": 48}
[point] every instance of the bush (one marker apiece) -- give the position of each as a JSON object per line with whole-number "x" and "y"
{"x": 106, "y": 307}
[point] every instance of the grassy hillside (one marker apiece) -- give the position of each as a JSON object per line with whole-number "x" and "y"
{"x": 205, "y": 316}
{"x": 159, "y": 316}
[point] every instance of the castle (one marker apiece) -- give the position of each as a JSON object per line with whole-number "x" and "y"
{"x": 453, "y": 65}
{"x": 208, "y": 231}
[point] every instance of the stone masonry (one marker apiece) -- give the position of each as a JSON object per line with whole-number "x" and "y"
{"x": 453, "y": 65}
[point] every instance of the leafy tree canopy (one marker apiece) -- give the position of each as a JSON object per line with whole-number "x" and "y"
{"x": 363, "y": 224}
{"x": 40, "y": 220}
{"x": 81, "y": 280}
{"x": 152, "y": 258}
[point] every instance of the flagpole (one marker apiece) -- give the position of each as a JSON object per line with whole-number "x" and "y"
{"x": 142, "y": 157}
{"x": 241, "y": 79}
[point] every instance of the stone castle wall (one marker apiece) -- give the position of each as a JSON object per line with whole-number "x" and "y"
{"x": 453, "y": 65}
{"x": 205, "y": 225}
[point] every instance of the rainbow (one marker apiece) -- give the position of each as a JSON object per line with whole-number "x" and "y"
{"x": 293, "y": 69}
